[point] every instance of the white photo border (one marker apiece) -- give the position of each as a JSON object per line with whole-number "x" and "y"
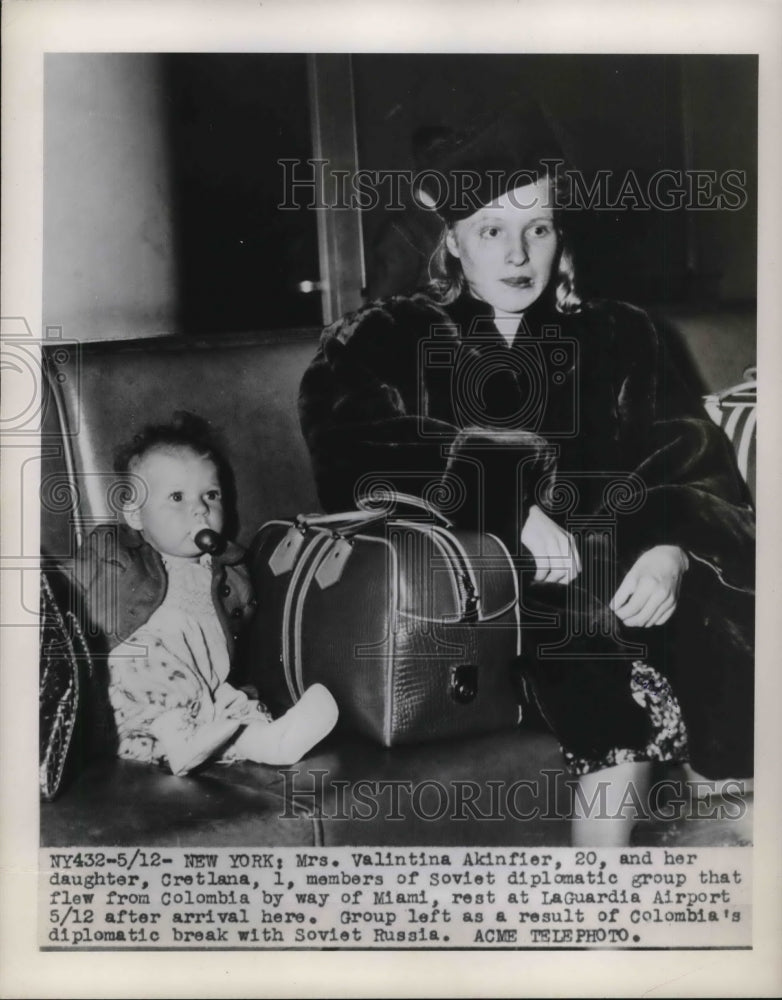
{"x": 32, "y": 27}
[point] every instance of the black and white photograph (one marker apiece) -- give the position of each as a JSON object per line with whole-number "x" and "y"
{"x": 380, "y": 486}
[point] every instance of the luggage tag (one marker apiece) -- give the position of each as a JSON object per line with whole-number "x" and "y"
{"x": 330, "y": 570}
{"x": 283, "y": 559}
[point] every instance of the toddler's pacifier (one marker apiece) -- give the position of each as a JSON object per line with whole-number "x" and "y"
{"x": 208, "y": 541}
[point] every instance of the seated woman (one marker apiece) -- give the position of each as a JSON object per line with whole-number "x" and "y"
{"x": 561, "y": 425}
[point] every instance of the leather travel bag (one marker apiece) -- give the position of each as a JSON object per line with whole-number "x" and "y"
{"x": 411, "y": 624}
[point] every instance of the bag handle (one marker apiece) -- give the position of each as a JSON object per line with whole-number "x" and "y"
{"x": 397, "y": 499}
{"x": 369, "y": 511}
{"x": 304, "y": 521}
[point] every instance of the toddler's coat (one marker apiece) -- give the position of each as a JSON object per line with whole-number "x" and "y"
{"x": 124, "y": 581}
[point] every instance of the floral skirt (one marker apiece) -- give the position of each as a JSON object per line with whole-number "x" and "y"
{"x": 678, "y": 692}
{"x": 666, "y": 732}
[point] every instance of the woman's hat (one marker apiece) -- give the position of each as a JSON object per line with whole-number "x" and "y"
{"x": 491, "y": 157}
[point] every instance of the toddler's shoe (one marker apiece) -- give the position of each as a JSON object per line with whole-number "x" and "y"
{"x": 186, "y": 749}
{"x": 287, "y": 739}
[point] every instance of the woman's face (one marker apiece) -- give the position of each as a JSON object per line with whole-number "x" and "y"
{"x": 507, "y": 249}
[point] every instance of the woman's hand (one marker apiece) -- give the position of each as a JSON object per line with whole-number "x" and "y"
{"x": 648, "y": 594}
{"x": 554, "y": 549}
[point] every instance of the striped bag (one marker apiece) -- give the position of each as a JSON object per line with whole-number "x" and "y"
{"x": 735, "y": 411}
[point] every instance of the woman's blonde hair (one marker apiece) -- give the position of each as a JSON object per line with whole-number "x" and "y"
{"x": 447, "y": 281}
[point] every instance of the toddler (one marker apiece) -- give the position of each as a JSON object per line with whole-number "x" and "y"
{"x": 172, "y": 613}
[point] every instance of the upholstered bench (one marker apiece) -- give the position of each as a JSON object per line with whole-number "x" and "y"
{"x": 348, "y": 791}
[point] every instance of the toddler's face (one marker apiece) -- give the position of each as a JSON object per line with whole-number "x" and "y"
{"x": 183, "y": 496}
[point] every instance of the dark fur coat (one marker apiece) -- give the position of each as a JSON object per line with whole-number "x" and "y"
{"x": 585, "y": 415}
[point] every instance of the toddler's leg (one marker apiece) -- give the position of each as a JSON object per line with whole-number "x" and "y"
{"x": 287, "y": 739}
{"x": 605, "y": 810}
{"x": 186, "y": 746}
